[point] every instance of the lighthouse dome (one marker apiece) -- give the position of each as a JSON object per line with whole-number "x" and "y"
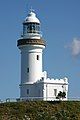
{"x": 31, "y": 18}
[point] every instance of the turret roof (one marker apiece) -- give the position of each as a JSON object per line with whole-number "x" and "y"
{"x": 32, "y": 18}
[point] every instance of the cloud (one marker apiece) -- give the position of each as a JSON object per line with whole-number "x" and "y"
{"x": 75, "y": 47}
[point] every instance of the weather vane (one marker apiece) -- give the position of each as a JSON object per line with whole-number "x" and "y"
{"x": 31, "y": 9}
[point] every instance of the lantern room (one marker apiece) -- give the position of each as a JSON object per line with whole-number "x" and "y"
{"x": 31, "y": 27}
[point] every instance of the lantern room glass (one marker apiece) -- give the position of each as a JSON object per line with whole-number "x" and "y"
{"x": 31, "y": 28}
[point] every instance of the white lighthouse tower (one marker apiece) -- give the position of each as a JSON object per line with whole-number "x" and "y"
{"x": 34, "y": 82}
{"x": 31, "y": 46}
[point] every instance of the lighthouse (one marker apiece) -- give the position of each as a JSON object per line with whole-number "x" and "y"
{"x": 35, "y": 85}
{"x": 31, "y": 46}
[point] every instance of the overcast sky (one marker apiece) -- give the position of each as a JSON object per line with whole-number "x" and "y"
{"x": 60, "y": 25}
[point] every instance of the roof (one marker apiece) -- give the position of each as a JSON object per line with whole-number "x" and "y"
{"x": 31, "y": 18}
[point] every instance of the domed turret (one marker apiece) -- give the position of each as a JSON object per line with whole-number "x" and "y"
{"x": 31, "y": 27}
{"x": 32, "y": 18}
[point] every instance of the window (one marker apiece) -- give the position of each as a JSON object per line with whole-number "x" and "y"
{"x": 28, "y": 30}
{"x": 24, "y": 29}
{"x": 37, "y": 57}
{"x": 27, "y": 91}
{"x": 27, "y": 70}
{"x": 55, "y": 92}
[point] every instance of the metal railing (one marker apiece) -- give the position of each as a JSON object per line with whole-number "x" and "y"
{"x": 36, "y": 99}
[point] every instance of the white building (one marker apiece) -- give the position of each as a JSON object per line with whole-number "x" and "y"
{"x": 34, "y": 81}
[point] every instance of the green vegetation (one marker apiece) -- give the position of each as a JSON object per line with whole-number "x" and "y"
{"x": 61, "y": 95}
{"x": 40, "y": 110}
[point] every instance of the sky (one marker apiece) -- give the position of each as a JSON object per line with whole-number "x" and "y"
{"x": 60, "y": 26}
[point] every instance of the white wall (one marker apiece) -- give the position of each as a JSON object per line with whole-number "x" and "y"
{"x": 44, "y": 89}
{"x": 29, "y": 60}
{"x": 49, "y": 91}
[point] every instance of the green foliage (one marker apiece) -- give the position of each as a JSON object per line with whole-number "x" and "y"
{"x": 61, "y": 95}
{"x": 40, "y": 110}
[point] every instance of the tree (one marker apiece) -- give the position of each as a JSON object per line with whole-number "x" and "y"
{"x": 61, "y": 95}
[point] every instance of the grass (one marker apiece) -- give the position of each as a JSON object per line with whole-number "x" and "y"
{"x": 40, "y": 110}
